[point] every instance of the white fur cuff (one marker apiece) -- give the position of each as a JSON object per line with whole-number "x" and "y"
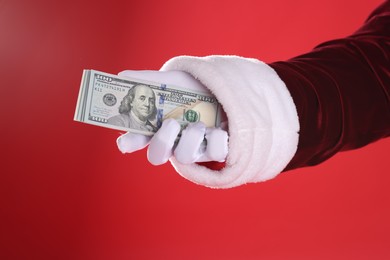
{"x": 263, "y": 122}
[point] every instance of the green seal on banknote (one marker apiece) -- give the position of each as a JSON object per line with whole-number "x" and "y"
{"x": 191, "y": 116}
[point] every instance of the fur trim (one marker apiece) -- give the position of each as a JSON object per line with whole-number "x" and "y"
{"x": 263, "y": 121}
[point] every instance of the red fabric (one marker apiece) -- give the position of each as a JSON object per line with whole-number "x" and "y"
{"x": 341, "y": 91}
{"x": 216, "y": 166}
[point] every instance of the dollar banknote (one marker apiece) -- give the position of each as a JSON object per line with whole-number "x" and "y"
{"x": 140, "y": 106}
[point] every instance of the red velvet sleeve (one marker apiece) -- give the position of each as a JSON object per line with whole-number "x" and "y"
{"x": 341, "y": 91}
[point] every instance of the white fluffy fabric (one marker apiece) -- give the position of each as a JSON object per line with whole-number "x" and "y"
{"x": 263, "y": 122}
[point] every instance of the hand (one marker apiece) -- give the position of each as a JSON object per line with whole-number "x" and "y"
{"x": 191, "y": 146}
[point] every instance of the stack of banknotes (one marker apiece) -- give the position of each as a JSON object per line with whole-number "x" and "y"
{"x": 140, "y": 106}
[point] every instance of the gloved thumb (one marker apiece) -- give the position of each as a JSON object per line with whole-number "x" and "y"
{"x": 130, "y": 142}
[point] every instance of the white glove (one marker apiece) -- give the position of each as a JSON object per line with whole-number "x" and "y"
{"x": 191, "y": 147}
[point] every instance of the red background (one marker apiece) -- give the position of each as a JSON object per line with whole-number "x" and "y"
{"x": 68, "y": 193}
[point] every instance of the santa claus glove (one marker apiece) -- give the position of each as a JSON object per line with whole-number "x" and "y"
{"x": 191, "y": 146}
{"x": 263, "y": 121}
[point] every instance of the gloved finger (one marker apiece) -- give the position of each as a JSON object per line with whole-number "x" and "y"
{"x": 130, "y": 142}
{"x": 217, "y": 144}
{"x": 160, "y": 147}
{"x": 151, "y": 75}
{"x": 189, "y": 147}
{"x": 216, "y": 147}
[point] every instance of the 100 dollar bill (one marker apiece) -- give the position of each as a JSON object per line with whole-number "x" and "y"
{"x": 140, "y": 106}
